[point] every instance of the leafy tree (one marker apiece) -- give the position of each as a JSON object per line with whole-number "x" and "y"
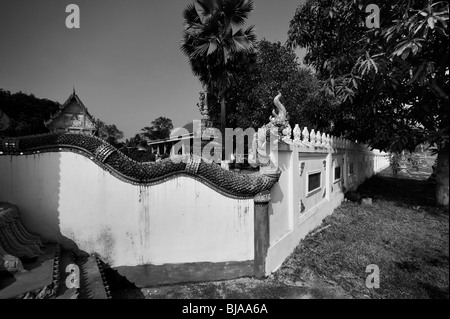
{"x": 159, "y": 129}
{"x": 216, "y": 43}
{"x": 27, "y": 116}
{"x": 135, "y": 142}
{"x": 391, "y": 81}
{"x": 108, "y": 132}
{"x": 4, "y": 121}
{"x": 137, "y": 149}
{"x": 26, "y": 113}
{"x": 274, "y": 69}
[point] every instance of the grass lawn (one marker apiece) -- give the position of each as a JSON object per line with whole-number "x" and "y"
{"x": 402, "y": 232}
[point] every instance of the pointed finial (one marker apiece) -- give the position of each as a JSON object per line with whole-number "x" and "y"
{"x": 74, "y": 90}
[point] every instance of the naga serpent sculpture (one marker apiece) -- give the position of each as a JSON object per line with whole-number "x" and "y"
{"x": 267, "y": 137}
{"x": 109, "y": 158}
{"x": 281, "y": 117}
{"x": 117, "y": 163}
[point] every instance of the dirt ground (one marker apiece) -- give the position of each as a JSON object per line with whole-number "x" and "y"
{"x": 246, "y": 288}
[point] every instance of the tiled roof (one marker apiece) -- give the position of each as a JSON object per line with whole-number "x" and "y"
{"x": 67, "y": 103}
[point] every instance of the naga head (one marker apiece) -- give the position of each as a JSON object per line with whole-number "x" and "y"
{"x": 280, "y": 117}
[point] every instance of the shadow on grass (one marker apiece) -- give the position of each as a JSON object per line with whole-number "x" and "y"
{"x": 435, "y": 292}
{"x": 402, "y": 232}
{"x": 402, "y": 191}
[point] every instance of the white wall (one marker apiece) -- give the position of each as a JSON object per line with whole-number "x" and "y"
{"x": 66, "y": 197}
{"x": 288, "y": 225}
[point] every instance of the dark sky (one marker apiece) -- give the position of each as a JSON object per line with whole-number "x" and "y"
{"x": 124, "y": 61}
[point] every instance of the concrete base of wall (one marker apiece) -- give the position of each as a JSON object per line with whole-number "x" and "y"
{"x": 152, "y": 275}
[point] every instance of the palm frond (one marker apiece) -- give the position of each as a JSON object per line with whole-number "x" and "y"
{"x": 215, "y": 42}
{"x": 251, "y": 35}
{"x": 212, "y": 46}
{"x": 203, "y": 12}
{"x": 236, "y": 13}
{"x": 190, "y": 14}
{"x": 200, "y": 50}
{"x": 240, "y": 43}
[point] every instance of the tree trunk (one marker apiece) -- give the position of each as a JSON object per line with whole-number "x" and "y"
{"x": 442, "y": 182}
{"x": 223, "y": 115}
{"x": 223, "y": 124}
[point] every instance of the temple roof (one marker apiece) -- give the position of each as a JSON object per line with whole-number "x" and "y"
{"x": 62, "y": 107}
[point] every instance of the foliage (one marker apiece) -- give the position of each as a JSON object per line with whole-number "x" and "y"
{"x": 137, "y": 149}
{"x": 391, "y": 81}
{"x": 216, "y": 43}
{"x": 108, "y": 132}
{"x": 159, "y": 129}
{"x": 4, "y": 121}
{"x": 214, "y": 40}
{"x": 274, "y": 69}
{"x": 135, "y": 142}
{"x": 27, "y": 113}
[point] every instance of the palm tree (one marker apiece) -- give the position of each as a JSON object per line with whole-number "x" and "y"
{"x": 215, "y": 43}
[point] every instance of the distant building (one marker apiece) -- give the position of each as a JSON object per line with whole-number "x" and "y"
{"x": 184, "y": 135}
{"x": 72, "y": 117}
{"x": 164, "y": 146}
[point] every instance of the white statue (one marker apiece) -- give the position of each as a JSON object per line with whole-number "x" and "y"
{"x": 268, "y": 137}
{"x": 281, "y": 117}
